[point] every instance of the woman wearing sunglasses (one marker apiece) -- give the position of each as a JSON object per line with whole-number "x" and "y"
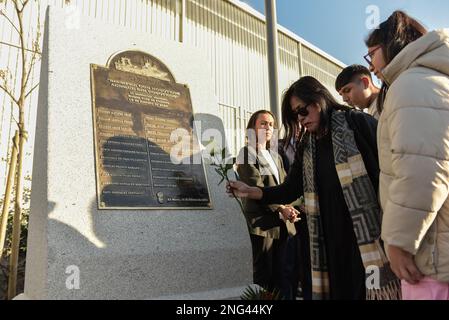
{"x": 336, "y": 169}
{"x": 413, "y": 138}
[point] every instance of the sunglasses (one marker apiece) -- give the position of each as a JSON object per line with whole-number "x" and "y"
{"x": 303, "y": 112}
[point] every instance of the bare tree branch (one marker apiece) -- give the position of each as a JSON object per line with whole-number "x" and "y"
{"x": 9, "y": 94}
{"x": 15, "y": 120}
{"x": 24, "y": 4}
{"x": 16, "y": 5}
{"x": 10, "y": 21}
{"x": 30, "y": 70}
{"x": 34, "y": 55}
{"x": 18, "y": 47}
{"x": 32, "y": 89}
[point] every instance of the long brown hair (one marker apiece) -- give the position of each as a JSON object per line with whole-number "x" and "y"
{"x": 393, "y": 35}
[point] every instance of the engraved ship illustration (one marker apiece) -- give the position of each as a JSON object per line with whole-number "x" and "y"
{"x": 148, "y": 69}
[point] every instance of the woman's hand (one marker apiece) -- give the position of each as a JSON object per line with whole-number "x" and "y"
{"x": 403, "y": 264}
{"x": 242, "y": 190}
{"x": 289, "y": 213}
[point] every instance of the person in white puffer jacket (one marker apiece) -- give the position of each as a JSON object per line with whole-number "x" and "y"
{"x": 413, "y": 142}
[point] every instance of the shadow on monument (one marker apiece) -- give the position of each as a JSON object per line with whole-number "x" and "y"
{"x": 209, "y": 128}
{"x": 137, "y": 254}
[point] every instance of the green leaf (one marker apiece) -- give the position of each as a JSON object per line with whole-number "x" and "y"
{"x": 223, "y": 154}
{"x": 221, "y": 181}
{"x": 260, "y": 293}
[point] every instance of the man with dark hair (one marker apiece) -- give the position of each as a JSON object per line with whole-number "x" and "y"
{"x": 355, "y": 85}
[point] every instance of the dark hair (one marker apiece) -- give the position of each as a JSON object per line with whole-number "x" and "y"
{"x": 393, "y": 35}
{"x": 349, "y": 74}
{"x": 252, "y": 122}
{"x": 309, "y": 90}
{"x": 289, "y": 121}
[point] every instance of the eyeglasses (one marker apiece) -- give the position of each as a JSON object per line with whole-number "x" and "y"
{"x": 368, "y": 57}
{"x": 301, "y": 111}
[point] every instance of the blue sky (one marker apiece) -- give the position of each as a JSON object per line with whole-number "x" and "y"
{"x": 339, "y": 26}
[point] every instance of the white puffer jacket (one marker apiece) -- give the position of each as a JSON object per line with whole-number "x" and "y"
{"x": 413, "y": 141}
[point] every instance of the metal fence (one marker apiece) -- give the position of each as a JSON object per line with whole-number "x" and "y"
{"x": 232, "y": 35}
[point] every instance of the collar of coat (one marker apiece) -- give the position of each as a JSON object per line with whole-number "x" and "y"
{"x": 430, "y": 51}
{"x": 253, "y": 154}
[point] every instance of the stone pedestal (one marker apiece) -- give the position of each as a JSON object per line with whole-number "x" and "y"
{"x": 76, "y": 251}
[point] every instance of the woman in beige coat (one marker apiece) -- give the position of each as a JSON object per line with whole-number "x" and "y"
{"x": 269, "y": 226}
{"x": 413, "y": 142}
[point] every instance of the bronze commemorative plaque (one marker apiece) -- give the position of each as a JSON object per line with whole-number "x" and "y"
{"x": 147, "y": 155}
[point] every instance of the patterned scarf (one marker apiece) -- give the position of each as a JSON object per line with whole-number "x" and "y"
{"x": 363, "y": 207}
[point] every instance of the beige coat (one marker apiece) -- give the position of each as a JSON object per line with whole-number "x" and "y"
{"x": 254, "y": 170}
{"x": 413, "y": 139}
